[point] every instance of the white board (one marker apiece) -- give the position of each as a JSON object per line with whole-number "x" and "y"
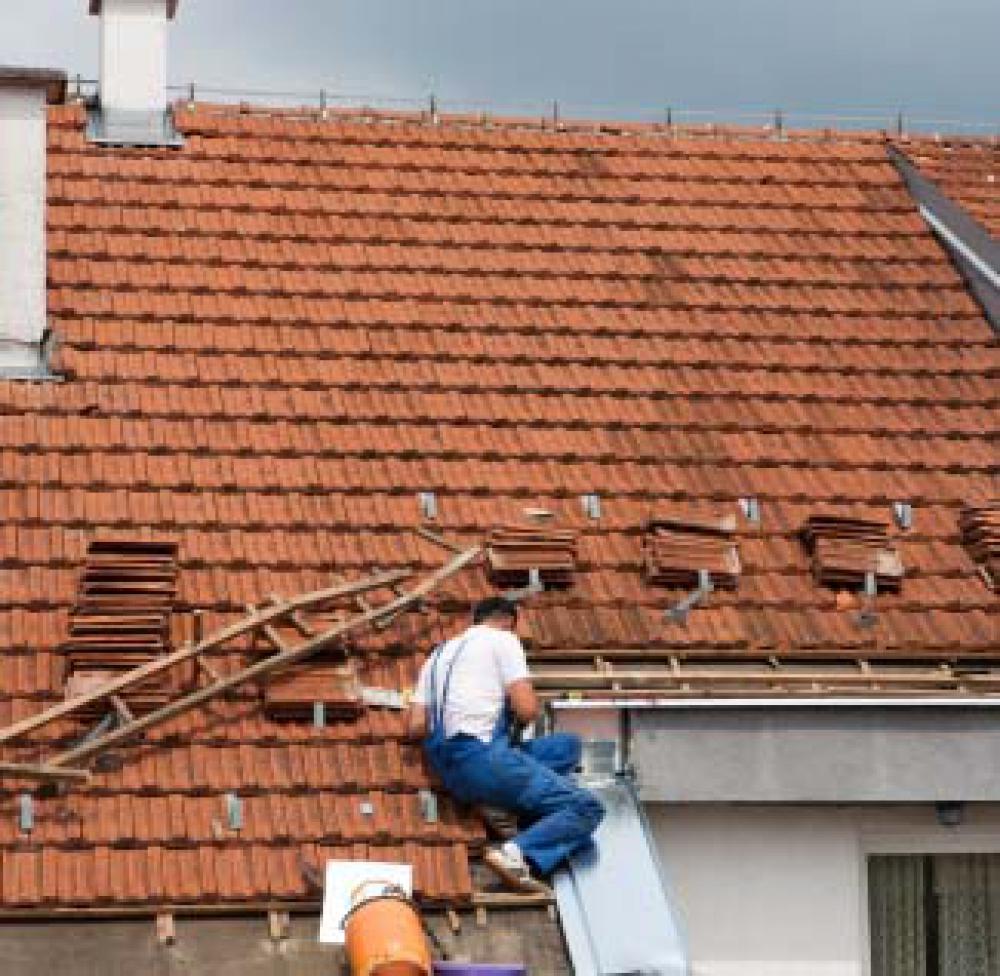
{"x": 343, "y": 877}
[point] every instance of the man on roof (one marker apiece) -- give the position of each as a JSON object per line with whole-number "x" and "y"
{"x": 473, "y": 695}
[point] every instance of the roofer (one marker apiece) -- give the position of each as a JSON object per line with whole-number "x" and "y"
{"x": 472, "y": 699}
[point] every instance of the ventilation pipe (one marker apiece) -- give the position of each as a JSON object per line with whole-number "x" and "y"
{"x": 24, "y": 93}
{"x": 133, "y": 86}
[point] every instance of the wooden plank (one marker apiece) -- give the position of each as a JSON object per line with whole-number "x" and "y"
{"x": 437, "y": 539}
{"x": 265, "y": 666}
{"x": 217, "y": 639}
{"x": 505, "y": 899}
{"x": 42, "y": 771}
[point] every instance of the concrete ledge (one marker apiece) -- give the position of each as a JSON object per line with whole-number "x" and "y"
{"x": 904, "y": 754}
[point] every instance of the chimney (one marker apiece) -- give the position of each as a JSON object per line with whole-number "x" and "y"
{"x": 24, "y": 93}
{"x": 133, "y": 86}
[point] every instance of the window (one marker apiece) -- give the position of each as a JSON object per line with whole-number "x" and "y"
{"x": 935, "y": 915}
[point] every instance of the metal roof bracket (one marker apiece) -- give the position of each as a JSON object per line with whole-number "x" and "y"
{"x": 26, "y": 813}
{"x": 428, "y": 504}
{"x": 429, "y": 806}
{"x": 534, "y": 587}
{"x": 591, "y": 506}
{"x": 234, "y": 811}
{"x": 867, "y": 617}
{"x": 679, "y": 612}
{"x": 903, "y": 514}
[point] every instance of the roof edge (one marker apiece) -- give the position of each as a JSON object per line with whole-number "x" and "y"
{"x": 96, "y": 7}
{"x": 51, "y": 79}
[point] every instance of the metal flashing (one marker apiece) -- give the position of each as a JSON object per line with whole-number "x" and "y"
{"x": 609, "y": 934}
{"x": 121, "y": 127}
{"x": 975, "y": 252}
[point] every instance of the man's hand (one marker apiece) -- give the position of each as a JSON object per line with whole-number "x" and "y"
{"x": 523, "y": 700}
{"x": 416, "y": 720}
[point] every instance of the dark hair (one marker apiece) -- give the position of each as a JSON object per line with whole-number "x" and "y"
{"x": 494, "y": 606}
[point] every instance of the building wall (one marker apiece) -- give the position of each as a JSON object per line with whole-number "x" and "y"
{"x": 241, "y": 946}
{"x": 782, "y": 890}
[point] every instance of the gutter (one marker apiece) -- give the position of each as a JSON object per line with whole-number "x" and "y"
{"x": 634, "y": 704}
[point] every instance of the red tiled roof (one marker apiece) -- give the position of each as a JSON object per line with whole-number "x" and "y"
{"x": 274, "y": 338}
{"x": 967, "y": 170}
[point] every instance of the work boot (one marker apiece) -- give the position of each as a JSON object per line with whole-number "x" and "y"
{"x": 508, "y": 864}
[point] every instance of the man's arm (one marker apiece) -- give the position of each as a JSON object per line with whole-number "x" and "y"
{"x": 416, "y": 720}
{"x": 523, "y": 700}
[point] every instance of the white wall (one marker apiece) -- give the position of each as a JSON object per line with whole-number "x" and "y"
{"x": 782, "y": 890}
{"x": 134, "y": 55}
{"x": 22, "y": 226}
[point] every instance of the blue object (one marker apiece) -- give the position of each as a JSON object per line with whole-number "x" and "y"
{"x": 530, "y": 780}
{"x": 479, "y": 969}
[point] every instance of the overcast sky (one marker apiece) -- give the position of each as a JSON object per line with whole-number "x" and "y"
{"x": 625, "y": 58}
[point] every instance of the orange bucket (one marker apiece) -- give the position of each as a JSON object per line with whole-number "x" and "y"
{"x": 384, "y": 937}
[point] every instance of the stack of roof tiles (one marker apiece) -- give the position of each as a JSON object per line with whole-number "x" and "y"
{"x": 121, "y": 619}
{"x": 515, "y": 550}
{"x": 845, "y": 551}
{"x": 678, "y": 551}
{"x": 981, "y": 534}
{"x": 295, "y": 692}
{"x": 275, "y": 337}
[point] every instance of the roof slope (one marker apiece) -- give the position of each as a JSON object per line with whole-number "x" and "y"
{"x": 967, "y": 170}
{"x": 276, "y": 337}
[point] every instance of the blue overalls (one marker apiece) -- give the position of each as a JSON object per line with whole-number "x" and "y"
{"x": 530, "y": 780}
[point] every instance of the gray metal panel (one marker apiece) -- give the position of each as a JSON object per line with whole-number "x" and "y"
{"x": 974, "y": 250}
{"x": 848, "y": 754}
{"x": 121, "y": 127}
{"x": 616, "y": 909}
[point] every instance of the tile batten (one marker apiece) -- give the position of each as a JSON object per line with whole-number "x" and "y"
{"x": 133, "y": 108}
{"x": 24, "y": 93}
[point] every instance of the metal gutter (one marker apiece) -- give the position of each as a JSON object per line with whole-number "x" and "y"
{"x": 635, "y": 704}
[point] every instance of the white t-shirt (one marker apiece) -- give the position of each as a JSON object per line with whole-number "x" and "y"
{"x": 490, "y": 662}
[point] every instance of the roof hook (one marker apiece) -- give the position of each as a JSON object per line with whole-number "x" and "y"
{"x": 534, "y": 587}
{"x": 679, "y": 612}
{"x": 867, "y": 617}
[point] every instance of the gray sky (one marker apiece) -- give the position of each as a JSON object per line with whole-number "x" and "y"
{"x": 617, "y": 58}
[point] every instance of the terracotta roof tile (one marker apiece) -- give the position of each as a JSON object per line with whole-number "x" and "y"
{"x": 275, "y": 337}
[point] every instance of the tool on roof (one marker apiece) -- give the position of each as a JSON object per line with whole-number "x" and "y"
{"x": 297, "y": 651}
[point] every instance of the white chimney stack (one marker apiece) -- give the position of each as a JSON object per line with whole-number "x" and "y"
{"x": 133, "y": 83}
{"x": 24, "y": 93}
